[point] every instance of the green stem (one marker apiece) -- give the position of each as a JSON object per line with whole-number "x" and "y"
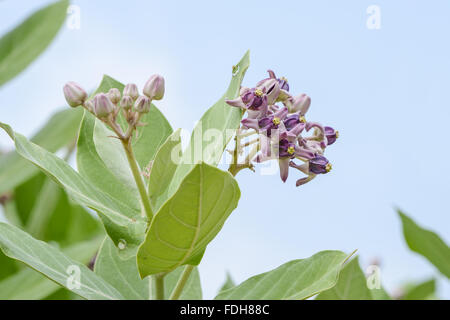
{"x": 159, "y": 287}
{"x": 181, "y": 283}
{"x": 138, "y": 178}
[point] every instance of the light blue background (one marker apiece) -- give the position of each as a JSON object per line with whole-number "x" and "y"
{"x": 385, "y": 90}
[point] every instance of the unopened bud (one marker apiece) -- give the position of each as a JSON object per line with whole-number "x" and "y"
{"x": 154, "y": 87}
{"x": 131, "y": 90}
{"x": 114, "y": 95}
{"x": 74, "y": 94}
{"x": 142, "y": 104}
{"x": 103, "y": 105}
{"x": 301, "y": 103}
{"x": 126, "y": 102}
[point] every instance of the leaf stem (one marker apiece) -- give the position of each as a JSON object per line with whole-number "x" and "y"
{"x": 138, "y": 178}
{"x": 181, "y": 282}
{"x": 159, "y": 286}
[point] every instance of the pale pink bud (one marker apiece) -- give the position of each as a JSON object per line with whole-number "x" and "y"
{"x": 103, "y": 105}
{"x": 142, "y": 104}
{"x": 301, "y": 103}
{"x": 131, "y": 90}
{"x": 126, "y": 102}
{"x": 114, "y": 95}
{"x": 154, "y": 87}
{"x": 74, "y": 94}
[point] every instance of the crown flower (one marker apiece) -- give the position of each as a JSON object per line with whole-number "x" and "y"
{"x": 283, "y": 133}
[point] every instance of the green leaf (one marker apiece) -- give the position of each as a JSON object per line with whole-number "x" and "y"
{"x": 121, "y": 274}
{"x": 20, "y": 46}
{"x": 93, "y": 169}
{"x": 191, "y": 291}
{"x": 216, "y": 121}
{"x": 421, "y": 291}
{"x": 228, "y": 284}
{"x": 297, "y": 279}
{"x": 60, "y": 131}
{"x": 188, "y": 221}
{"x": 352, "y": 285}
{"x": 52, "y": 263}
{"x": 163, "y": 169}
{"x": 426, "y": 243}
{"x": 123, "y": 224}
{"x": 28, "y": 284}
{"x": 124, "y": 276}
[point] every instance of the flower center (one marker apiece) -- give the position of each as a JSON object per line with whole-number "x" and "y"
{"x": 276, "y": 121}
{"x": 291, "y": 150}
{"x": 302, "y": 119}
{"x": 258, "y": 93}
{"x": 283, "y": 79}
{"x": 328, "y": 167}
{"x": 337, "y": 134}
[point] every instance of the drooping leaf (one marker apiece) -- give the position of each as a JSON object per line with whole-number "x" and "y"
{"x": 124, "y": 276}
{"x": 350, "y": 286}
{"x": 426, "y": 243}
{"x": 188, "y": 221}
{"x": 52, "y": 263}
{"x": 214, "y": 130}
{"x": 60, "y": 131}
{"x": 421, "y": 291}
{"x": 23, "y": 44}
{"x": 163, "y": 169}
{"x": 28, "y": 284}
{"x": 297, "y": 279}
{"x": 123, "y": 224}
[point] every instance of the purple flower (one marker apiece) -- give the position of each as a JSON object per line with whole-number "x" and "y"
{"x": 319, "y": 165}
{"x": 331, "y": 135}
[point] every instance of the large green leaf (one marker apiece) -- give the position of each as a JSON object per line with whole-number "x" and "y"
{"x": 52, "y": 263}
{"x": 297, "y": 279}
{"x": 20, "y": 46}
{"x": 121, "y": 274}
{"x": 421, "y": 291}
{"x": 60, "y": 131}
{"x": 188, "y": 221}
{"x": 124, "y": 276}
{"x": 31, "y": 285}
{"x": 426, "y": 243}
{"x": 350, "y": 286}
{"x": 124, "y": 224}
{"x": 214, "y": 130}
{"x": 163, "y": 169}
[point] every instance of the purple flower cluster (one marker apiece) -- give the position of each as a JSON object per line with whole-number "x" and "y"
{"x": 284, "y": 133}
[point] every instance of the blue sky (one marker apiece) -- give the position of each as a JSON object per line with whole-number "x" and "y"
{"x": 385, "y": 90}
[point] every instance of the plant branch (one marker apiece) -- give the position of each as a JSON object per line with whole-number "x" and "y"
{"x": 181, "y": 282}
{"x": 138, "y": 178}
{"x": 159, "y": 287}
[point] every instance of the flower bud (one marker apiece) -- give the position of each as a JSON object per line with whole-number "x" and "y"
{"x": 142, "y": 104}
{"x": 131, "y": 90}
{"x": 114, "y": 95}
{"x": 74, "y": 94}
{"x": 154, "y": 87}
{"x": 301, "y": 103}
{"x": 103, "y": 105}
{"x": 126, "y": 103}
